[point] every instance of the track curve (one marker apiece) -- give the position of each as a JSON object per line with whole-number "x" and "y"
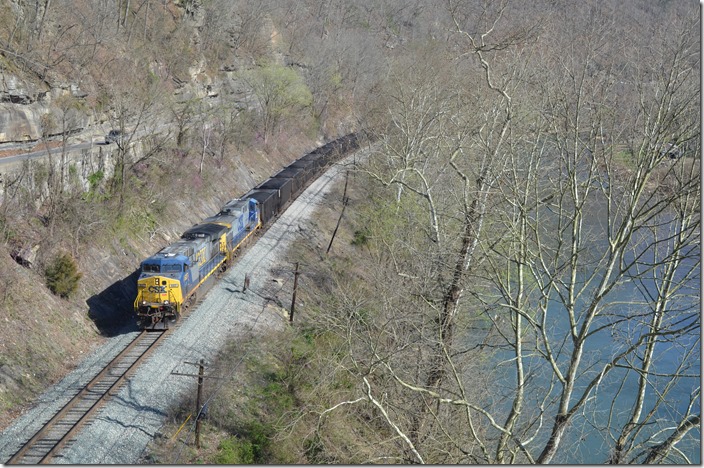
{"x": 60, "y": 429}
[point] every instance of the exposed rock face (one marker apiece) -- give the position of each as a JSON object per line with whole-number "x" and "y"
{"x": 20, "y": 111}
{"x": 17, "y": 91}
{"x": 23, "y": 104}
{"x": 20, "y": 122}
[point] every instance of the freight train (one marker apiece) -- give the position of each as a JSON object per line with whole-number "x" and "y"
{"x": 169, "y": 279}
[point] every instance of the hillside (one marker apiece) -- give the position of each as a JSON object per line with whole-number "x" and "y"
{"x": 192, "y": 79}
{"x": 516, "y": 278}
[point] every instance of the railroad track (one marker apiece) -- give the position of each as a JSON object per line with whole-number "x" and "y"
{"x": 64, "y": 426}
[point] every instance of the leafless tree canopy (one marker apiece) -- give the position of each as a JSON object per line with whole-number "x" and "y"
{"x": 535, "y": 241}
{"x": 526, "y": 283}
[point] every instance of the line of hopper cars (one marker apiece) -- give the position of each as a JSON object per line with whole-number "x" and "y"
{"x": 169, "y": 279}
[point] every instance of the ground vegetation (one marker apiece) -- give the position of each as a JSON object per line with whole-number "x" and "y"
{"x": 515, "y": 278}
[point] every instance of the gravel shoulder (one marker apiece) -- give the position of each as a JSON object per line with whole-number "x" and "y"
{"x": 123, "y": 428}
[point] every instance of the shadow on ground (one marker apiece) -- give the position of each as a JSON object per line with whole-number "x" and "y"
{"x": 112, "y": 309}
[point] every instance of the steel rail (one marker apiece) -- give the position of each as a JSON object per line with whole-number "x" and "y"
{"x": 95, "y": 394}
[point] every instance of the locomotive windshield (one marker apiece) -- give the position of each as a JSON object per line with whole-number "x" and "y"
{"x": 162, "y": 268}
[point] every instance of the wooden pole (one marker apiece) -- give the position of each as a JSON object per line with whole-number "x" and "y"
{"x": 295, "y": 287}
{"x": 199, "y": 396}
{"x": 345, "y": 200}
{"x": 198, "y": 408}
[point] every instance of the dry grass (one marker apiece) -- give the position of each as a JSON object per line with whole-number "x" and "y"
{"x": 41, "y": 337}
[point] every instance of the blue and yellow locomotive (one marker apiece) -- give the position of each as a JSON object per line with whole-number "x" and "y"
{"x": 169, "y": 279}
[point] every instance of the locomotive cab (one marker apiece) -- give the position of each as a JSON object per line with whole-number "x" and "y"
{"x": 159, "y": 292}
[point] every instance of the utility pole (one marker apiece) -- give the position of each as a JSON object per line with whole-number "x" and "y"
{"x": 295, "y": 287}
{"x": 201, "y": 365}
{"x": 345, "y": 201}
{"x": 199, "y": 395}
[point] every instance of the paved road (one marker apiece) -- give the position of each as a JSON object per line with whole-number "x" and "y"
{"x": 20, "y": 156}
{"x": 11, "y": 153}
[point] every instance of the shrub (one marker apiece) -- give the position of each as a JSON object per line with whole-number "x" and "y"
{"x": 361, "y": 237}
{"x": 259, "y": 434}
{"x": 95, "y": 179}
{"x": 233, "y": 451}
{"x": 62, "y": 275}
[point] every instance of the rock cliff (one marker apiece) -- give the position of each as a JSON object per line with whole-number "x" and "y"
{"x": 25, "y": 106}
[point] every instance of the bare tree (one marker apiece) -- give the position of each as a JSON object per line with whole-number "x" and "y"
{"x": 133, "y": 104}
{"x": 586, "y": 265}
{"x": 604, "y": 224}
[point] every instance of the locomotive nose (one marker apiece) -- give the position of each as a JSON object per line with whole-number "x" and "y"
{"x": 158, "y": 299}
{"x": 155, "y": 292}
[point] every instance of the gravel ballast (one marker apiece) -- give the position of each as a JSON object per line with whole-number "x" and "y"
{"x": 131, "y": 419}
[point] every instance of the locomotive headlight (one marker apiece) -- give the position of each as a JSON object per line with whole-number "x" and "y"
{"x": 166, "y": 302}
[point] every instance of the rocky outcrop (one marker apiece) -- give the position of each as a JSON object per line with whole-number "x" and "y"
{"x": 16, "y": 91}
{"x": 23, "y": 105}
{"x": 20, "y": 122}
{"x": 19, "y": 112}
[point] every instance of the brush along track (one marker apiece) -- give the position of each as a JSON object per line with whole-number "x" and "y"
{"x": 67, "y": 422}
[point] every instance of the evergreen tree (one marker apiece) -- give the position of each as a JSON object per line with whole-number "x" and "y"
{"x": 62, "y": 275}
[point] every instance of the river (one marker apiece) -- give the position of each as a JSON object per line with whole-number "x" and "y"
{"x": 591, "y": 432}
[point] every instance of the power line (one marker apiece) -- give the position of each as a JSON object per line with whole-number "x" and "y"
{"x": 219, "y": 387}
